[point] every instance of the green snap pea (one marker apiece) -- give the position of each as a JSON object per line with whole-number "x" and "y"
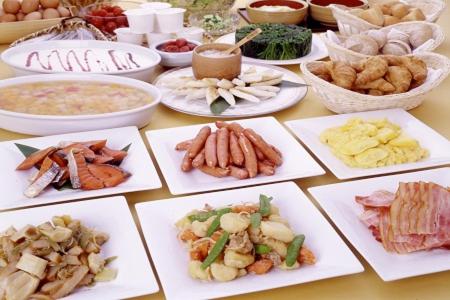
{"x": 202, "y": 216}
{"x": 293, "y": 249}
{"x": 216, "y": 222}
{"x": 264, "y": 205}
{"x": 262, "y": 249}
{"x": 255, "y": 220}
{"x": 216, "y": 250}
{"x": 205, "y": 215}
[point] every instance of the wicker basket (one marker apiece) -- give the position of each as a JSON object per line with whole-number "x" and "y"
{"x": 340, "y": 100}
{"x": 349, "y": 24}
{"x": 71, "y": 23}
{"x": 340, "y": 53}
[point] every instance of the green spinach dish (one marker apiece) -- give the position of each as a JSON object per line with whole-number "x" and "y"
{"x": 276, "y": 42}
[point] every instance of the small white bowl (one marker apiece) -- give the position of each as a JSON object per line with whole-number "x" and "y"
{"x": 125, "y": 35}
{"x": 140, "y": 20}
{"x": 169, "y": 20}
{"x": 157, "y": 37}
{"x": 156, "y": 5}
{"x": 191, "y": 33}
{"x": 174, "y": 59}
{"x": 51, "y": 124}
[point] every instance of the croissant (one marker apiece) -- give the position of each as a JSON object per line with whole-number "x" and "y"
{"x": 379, "y": 84}
{"x": 375, "y": 93}
{"x": 416, "y": 66}
{"x": 399, "y": 77}
{"x": 343, "y": 75}
{"x": 373, "y": 15}
{"x": 375, "y": 67}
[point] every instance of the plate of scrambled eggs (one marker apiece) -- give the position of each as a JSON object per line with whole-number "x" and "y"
{"x": 372, "y": 143}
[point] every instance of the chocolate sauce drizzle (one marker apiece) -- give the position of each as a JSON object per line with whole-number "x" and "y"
{"x": 126, "y": 62}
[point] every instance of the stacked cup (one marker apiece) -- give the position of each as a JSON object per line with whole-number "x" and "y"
{"x": 158, "y": 21}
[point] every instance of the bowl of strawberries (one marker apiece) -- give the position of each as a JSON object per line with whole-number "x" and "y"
{"x": 108, "y": 15}
{"x": 175, "y": 52}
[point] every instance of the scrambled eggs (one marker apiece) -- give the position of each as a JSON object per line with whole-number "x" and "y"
{"x": 372, "y": 143}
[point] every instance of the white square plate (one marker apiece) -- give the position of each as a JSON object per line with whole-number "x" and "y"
{"x": 338, "y": 201}
{"x": 309, "y": 130}
{"x": 137, "y": 162}
{"x": 110, "y": 215}
{"x": 297, "y": 163}
{"x": 171, "y": 258}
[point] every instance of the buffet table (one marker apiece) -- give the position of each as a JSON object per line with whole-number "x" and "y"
{"x": 435, "y": 112}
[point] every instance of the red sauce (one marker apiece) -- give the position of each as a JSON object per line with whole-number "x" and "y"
{"x": 291, "y": 4}
{"x": 349, "y": 3}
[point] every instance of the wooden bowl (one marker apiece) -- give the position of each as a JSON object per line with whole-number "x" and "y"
{"x": 228, "y": 67}
{"x": 288, "y": 17}
{"x": 323, "y": 13}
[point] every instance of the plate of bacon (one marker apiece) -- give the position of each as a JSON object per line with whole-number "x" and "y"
{"x": 399, "y": 223}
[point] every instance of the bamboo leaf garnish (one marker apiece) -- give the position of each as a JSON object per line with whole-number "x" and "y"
{"x": 219, "y": 106}
{"x": 127, "y": 147}
{"x": 26, "y": 150}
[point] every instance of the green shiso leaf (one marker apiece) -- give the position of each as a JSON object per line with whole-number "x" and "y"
{"x": 26, "y": 150}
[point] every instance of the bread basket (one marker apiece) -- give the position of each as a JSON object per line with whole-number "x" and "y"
{"x": 340, "y": 53}
{"x": 350, "y": 24}
{"x": 340, "y": 100}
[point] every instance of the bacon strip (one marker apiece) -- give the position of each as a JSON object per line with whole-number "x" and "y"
{"x": 416, "y": 217}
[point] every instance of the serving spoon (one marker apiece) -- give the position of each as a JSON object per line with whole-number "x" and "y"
{"x": 246, "y": 39}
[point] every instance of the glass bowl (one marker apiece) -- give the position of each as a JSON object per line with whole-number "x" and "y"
{"x": 193, "y": 6}
{"x": 107, "y": 15}
{"x": 215, "y": 22}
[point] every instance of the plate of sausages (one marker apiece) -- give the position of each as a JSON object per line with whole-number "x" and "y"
{"x": 229, "y": 154}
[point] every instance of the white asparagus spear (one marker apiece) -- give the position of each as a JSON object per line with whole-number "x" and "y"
{"x": 251, "y": 78}
{"x": 196, "y": 94}
{"x": 269, "y": 82}
{"x": 245, "y": 96}
{"x": 228, "y": 96}
{"x": 211, "y": 95}
{"x": 250, "y": 70}
{"x": 269, "y": 88}
{"x": 238, "y": 82}
{"x": 255, "y": 92}
{"x": 225, "y": 84}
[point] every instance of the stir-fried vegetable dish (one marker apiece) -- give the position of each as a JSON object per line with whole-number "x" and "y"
{"x": 230, "y": 242}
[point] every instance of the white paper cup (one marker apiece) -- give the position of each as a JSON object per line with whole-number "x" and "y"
{"x": 125, "y": 35}
{"x": 169, "y": 20}
{"x": 156, "y": 37}
{"x": 140, "y": 20}
{"x": 156, "y": 5}
{"x": 191, "y": 33}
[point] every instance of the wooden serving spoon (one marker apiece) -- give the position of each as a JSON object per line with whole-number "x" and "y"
{"x": 248, "y": 38}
